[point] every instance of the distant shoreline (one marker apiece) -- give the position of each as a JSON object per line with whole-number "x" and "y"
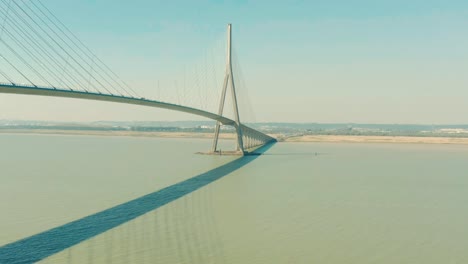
{"x": 200, "y": 135}
{"x": 378, "y": 139}
{"x": 231, "y": 136}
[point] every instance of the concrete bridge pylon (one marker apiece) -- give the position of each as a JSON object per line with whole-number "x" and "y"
{"x": 229, "y": 82}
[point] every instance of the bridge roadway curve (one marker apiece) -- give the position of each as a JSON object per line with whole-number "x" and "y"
{"x": 56, "y": 92}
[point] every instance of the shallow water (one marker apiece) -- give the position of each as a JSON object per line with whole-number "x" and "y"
{"x": 297, "y": 203}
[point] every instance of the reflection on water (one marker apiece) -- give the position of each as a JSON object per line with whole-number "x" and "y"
{"x": 351, "y": 203}
{"x": 44, "y": 244}
{"x": 184, "y": 231}
{"x": 134, "y": 239}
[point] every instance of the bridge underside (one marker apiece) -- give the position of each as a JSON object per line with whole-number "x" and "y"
{"x": 252, "y": 140}
{"x": 251, "y": 137}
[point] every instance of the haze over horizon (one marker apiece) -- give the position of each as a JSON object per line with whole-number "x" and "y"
{"x": 304, "y": 61}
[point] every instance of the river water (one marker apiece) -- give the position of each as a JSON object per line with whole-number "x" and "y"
{"x": 296, "y": 203}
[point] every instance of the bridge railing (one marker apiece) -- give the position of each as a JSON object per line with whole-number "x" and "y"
{"x": 46, "y": 87}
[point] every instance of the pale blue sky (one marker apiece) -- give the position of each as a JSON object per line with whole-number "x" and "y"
{"x": 303, "y": 61}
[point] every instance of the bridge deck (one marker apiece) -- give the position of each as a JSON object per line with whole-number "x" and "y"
{"x": 56, "y": 92}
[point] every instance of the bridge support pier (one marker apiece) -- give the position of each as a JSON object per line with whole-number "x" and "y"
{"x": 229, "y": 79}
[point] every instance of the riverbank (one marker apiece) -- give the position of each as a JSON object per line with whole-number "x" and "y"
{"x": 303, "y": 138}
{"x": 378, "y": 139}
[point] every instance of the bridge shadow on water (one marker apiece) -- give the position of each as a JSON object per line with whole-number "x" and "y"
{"x": 47, "y": 243}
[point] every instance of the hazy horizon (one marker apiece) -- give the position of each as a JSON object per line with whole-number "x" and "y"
{"x": 212, "y": 121}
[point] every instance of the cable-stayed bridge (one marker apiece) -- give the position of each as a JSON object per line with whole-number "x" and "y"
{"x": 39, "y": 55}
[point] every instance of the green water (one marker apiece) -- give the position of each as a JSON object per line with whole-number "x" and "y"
{"x": 297, "y": 203}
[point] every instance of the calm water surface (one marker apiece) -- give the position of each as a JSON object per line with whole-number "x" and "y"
{"x": 297, "y": 203}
